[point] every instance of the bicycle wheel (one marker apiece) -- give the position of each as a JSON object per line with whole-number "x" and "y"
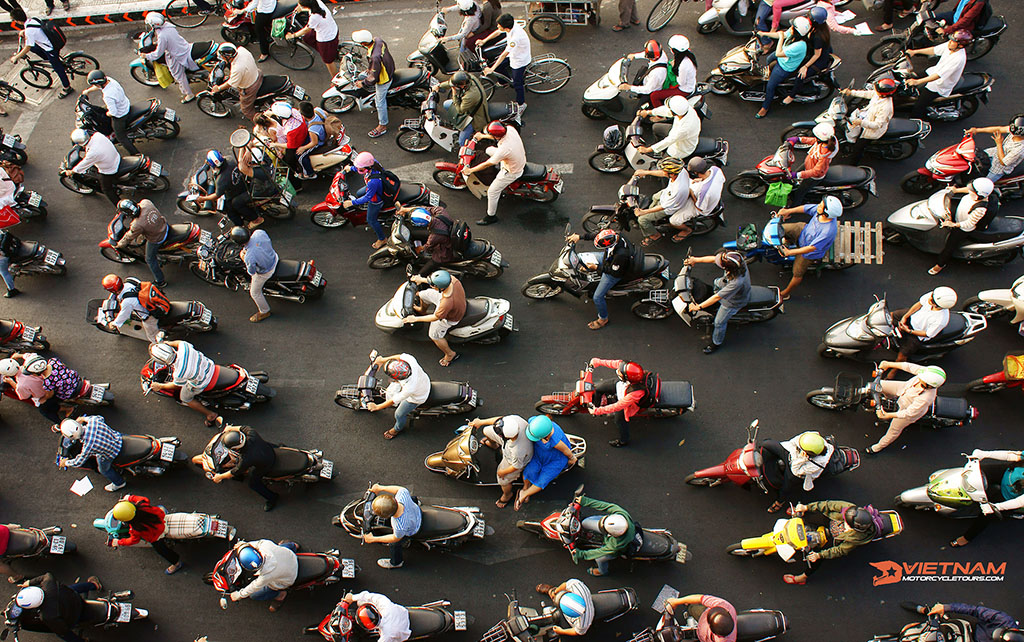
{"x": 10, "y": 93}
{"x": 546, "y": 76}
{"x": 546, "y": 27}
{"x": 37, "y": 77}
{"x": 81, "y": 64}
{"x": 356, "y": 50}
{"x": 662, "y": 14}
{"x": 291, "y": 54}
{"x": 487, "y": 82}
{"x": 185, "y": 14}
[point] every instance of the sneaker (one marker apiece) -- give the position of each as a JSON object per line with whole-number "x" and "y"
{"x": 386, "y": 563}
{"x": 13, "y": 292}
{"x": 487, "y": 220}
{"x": 709, "y": 348}
{"x": 522, "y": 108}
{"x": 65, "y": 92}
{"x": 161, "y": 284}
{"x": 269, "y": 506}
{"x": 113, "y": 488}
{"x": 143, "y": 613}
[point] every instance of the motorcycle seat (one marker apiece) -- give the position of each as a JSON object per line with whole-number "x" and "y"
{"x": 311, "y": 568}
{"x": 93, "y": 612}
{"x": 899, "y": 127}
{"x": 761, "y": 296}
{"x": 408, "y": 191}
{"x": 407, "y": 76}
{"x": 438, "y": 522}
{"x": 951, "y": 408}
{"x": 498, "y": 111}
{"x": 661, "y": 130}
{"x": 1000, "y": 229}
{"x": 1017, "y": 171}
{"x": 426, "y": 621}
{"x": 675, "y": 394}
{"x": 202, "y": 49}
{"x": 178, "y": 233}
{"x": 284, "y": 7}
{"x": 133, "y": 448}
{"x": 650, "y": 263}
{"x": 223, "y": 378}
{"x": 653, "y": 545}
{"x": 287, "y": 270}
{"x": 476, "y": 311}
{"x": 844, "y": 174}
{"x": 6, "y": 327}
{"x": 994, "y": 24}
{"x": 968, "y": 82}
{"x": 610, "y": 603}
{"x": 179, "y": 310}
{"x": 25, "y": 250}
{"x": 957, "y": 324}
{"x": 136, "y": 112}
{"x": 474, "y": 249}
{"x": 442, "y": 392}
{"x": 288, "y": 461}
{"x": 534, "y": 172}
{"x": 21, "y": 542}
{"x": 705, "y": 146}
{"x": 272, "y": 84}
{"x": 129, "y": 164}
{"x": 758, "y": 625}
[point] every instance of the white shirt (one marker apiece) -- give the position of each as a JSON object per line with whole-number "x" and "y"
{"x": 262, "y": 6}
{"x": 325, "y": 27}
{"x": 510, "y": 152}
{"x": 517, "y": 44}
{"x": 115, "y": 99}
{"x": 35, "y": 36}
{"x": 707, "y": 192}
{"x": 126, "y": 307}
{"x": 874, "y": 117}
{"x": 394, "y": 619}
{"x": 686, "y": 76}
{"x": 173, "y": 47}
{"x": 675, "y": 195}
{"x": 682, "y": 139}
{"x": 515, "y": 452}
{"x": 415, "y": 388}
{"x": 582, "y": 623}
{"x": 809, "y": 468}
{"x": 99, "y": 151}
{"x": 655, "y": 77}
{"x": 949, "y": 68}
{"x": 7, "y": 189}
{"x": 279, "y": 570}
{"x": 927, "y": 320}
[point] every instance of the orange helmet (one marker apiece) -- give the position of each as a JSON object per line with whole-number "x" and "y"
{"x": 112, "y": 283}
{"x": 368, "y": 617}
{"x": 652, "y": 50}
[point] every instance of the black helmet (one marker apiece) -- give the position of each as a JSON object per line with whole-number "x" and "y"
{"x": 233, "y": 439}
{"x": 128, "y": 206}
{"x": 614, "y": 137}
{"x": 1017, "y": 125}
{"x": 239, "y": 235}
{"x": 858, "y": 519}
{"x": 697, "y": 165}
{"x": 720, "y": 621}
{"x": 460, "y": 78}
{"x": 97, "y": 78}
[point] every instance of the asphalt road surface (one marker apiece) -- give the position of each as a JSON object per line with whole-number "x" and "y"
{"x": 762, "y": 372}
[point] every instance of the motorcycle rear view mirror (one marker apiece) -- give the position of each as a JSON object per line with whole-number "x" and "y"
{"x": 240, "y": 137}
{"x": 374, "y": 354}
{"x": 579, "y": 491}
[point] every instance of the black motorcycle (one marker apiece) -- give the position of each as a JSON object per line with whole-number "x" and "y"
{"x": 103, "y": 612}
{"x": 12, "y": 149}
{"x": 621, "y": 217}
{"x": 291, "y": 465}
{"x": 134, "y": 173}
{"x": 269, "y": 201}
{"x": 16, "y": 336}
{"x": 219, "y": 104}
{"x": 233, "y": 387}
{"x": 32, "y": 257}
{"x": 972, "y": 89}
{"x": 756, "y": 625}
{"x": 473, "y": 257}
{"x": 922, "y": 33}
{"x": 141, "y": 455}
{"x": 26, "y": 542}
{"x": 184, "y": 317}
{"x": 526, "y": 624}
{"x": 151, "y": 122}
{"x": 426, "y": 621}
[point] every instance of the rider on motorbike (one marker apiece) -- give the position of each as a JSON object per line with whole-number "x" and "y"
{"x": 173, "y": 50}
{"x": 448, "y": 297}
{"x": 619, "y": 530}
{"x": 1009, "y": 491}
{"x": 968, "y": 15}
{"x": 275, "y": 566}
{"x": 634, "y": 390}
{"x": 128, "y": 304}
{"x": 238, "y": 451}
{"x": 653, "y": 78}
{"x": 378, "y": 614}
{"x": 507, "y": 433}
{"x": 410, "y": 387}
{"x": 99, "y": 153}
{"x": 871, "y": 121}
{"x": 805, "y": 457}
{"x": 46, "y": 605}
{"x": 914, "y": 398}
{"x": 191, "y": 372}
{"x": 244, "y": 76}
{"x": 381, "y": 191}
{"x": 439, "y": 240}
{"x": 989, "y": 625}
{"x": 472, "y": 23}
{"x": 98, "y": 440}
{"x": 468, "y": 99}
{"x": 847, "y": 526}
{"x": 146, "y": 222}
{"x": 673, "y": 199}
{"x": 684, "y": 135}
{"x": 237, "y": 181}
{"x": 716, "y": 618}
{"x": 824, "y": 147}
{"x": 976, "y": 209}
{"x": 396, "y": 504}
{"x": 145, "y": 522}
{"x": 1008, "y": 150}
{"x": 619, "y": 256}
{"x": 943, "y": 76}
{"x": 732, "y": 292}
{"x": 551, "y": 454}
{"x": 510, "y": 154}
{"x": 58, "y": 382}
{"x": 923, "y": 321}
{"x": 118, "y": 106}
{"x": 575, "y": 602}
{"x": 813, "y": 239}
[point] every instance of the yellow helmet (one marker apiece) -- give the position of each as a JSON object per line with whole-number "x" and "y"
{"x": 811, "y": 442}
{"x": 124, "y": 511}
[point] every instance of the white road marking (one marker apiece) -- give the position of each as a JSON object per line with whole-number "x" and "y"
{"x": 26, "y": 124}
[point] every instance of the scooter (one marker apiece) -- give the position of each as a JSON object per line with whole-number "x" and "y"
{"x": 88, "y": 394}
{"x": 602, "y": 99}
{"x": 922, "y": 33}
{"x": 960, "y": 104}
{"x": 672, "y": 398}
{"x": 526, "y": 624}
{"x": 900, "y": 140}
{"x": 621, "y": 148}
{"x": 959, "y": 492}
{"x": 443, "y": 126}
{"x": 104, "y": 612}
{"x": 538, "y": 182}
{"x": 446, "y": 397}
{"x": 858, "y": 337}
{"x": 919, "y": 225}
{"x": 28, "y": 258}
{"x": 740, "y": 70}
{"x": 764, "y": 303}
{"x": 578, "y": 274}
{"x": 134, "y": 173}
{"x": 29, "y": 205}
{"x": 442, "y": 527}
{"x": 754, "y": 625}
{"x": 437, "y": 59}
{"x": 271, "y": 202}
{"x": 185, "y": 317}
{"x": 12, "y": 149}
{"x": 408, "y": 89}
{"x": 179, "y": 247}
{"x": 16, "y": 336}
{"x": 946, "y": 628}
{"x": 331, "y": 212}
{"x": 28, "y": 542}
{"x": 487, "y": 320}
{"x": 232, "y": 387}
{"x": 464, "y": 458}
{"x": 791, "y": 536}
{"x": 151, "y": 122}
{"x": 185, "y": 526}
{"x": 1011, "y": 376}
{"x": 850, "y": 391}
{"x": 999, "y": 304}
{"x": 957, "y": 165}
{"x": 291, "y": 465}
{"x": 621, "y": 217}
{"x": 766, "y": 247}
{"x": 143, "y": 70}
{"x": 736, "y": 17}
{"x": 575, "y": 533}
{"x": 473, "y": 257}
{"x": 426, "y": 621}
{"x": 141, "y": 455}
{"x": 850, "y": 184}
{"x": 219, "y": 104}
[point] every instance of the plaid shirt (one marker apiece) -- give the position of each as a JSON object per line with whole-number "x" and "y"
{"x": 98, "y": 439}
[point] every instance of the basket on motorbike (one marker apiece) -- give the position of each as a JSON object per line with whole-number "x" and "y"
{"x": 846, "y": 387}
{"x": 1013, "y": 367}
{"x": 548, "y": 19}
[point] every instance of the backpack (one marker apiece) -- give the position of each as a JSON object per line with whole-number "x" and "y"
{"x": 155, "y": 301}
{"x": 15, "y": 173}
{"x": 652, "y": 388}
{"x": 390, "y": 184}
{"x": 53, "y": 33}
{"x": 333, "y": 128}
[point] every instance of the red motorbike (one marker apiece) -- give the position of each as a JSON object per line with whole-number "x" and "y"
{"x": 332, "y": 213}
{"x": 231, "y": 388}
{"x": 958, "y": 164}
{"x": 15, "y": 336}
{"x": 88, "y": 394}
{"x": 538, "y": 182}
{"x": 1011, "y": 376}
{"x": 179, "y": 247}
{"x": 672, "y": 398}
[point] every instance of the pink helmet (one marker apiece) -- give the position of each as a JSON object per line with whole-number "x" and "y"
{"x": 364, "y": 160}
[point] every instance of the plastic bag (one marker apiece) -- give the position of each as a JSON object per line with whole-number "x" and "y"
{"x": 1013, "y": 366}
{"x": 278, "y": 27}
{"x": 8, "y": 217}
{"x": 778, "y": 194}
{"x": 163, "y": 75}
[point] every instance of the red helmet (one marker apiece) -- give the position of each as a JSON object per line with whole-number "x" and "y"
{"x": 496, "y": 129}
{"x": 368, "y": 617}
{"x": 606, "y": 238}
{"x": 398, "y": 369}
{"x": 112, "y": 283}
{"x": 886, "y": 86}
{"x": 630, "y": 371}
{"x": 652, "y": 50}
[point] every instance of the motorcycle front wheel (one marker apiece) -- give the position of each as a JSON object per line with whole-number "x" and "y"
{"x": 145, "y": 76}
{"x": 747, "y": 187}
{"x": 112, "y": 254}
{"x": 823, "y": 398}
{"x": 446, "y": 178}
{"x": 594, "y": 222}
{"x": 202, "y": 274}
{"x": 73, "y": 185}
{"x": 886, "y": 51}
{"x": 738, "y": 550}
{"x": 383, "y": 262}
{"x": 213, "y": 107}
{"x": 237, "y": 37}
{"x": 541, "y": 290}
{"x": 414, "y": 140}
{"x": 979, "y": 385}
{"x": 191, "y": 207}
{"x": 608, "y": 162}
{"x": 917, "y": 183}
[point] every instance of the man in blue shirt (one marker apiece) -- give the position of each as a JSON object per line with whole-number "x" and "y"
{"x": 260, "y": 262}
{"x": 813, "y": 239}
{"x": 987, "y": 621}
{"x": 396, "y": 503}
{"x": 98, "y": 440}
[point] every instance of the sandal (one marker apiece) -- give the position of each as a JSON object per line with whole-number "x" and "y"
{"x": 263, "y": 58}
{"x": 379, "y": 244}
{"x": 519, "y": 502}
{"x": 935, "y": 269}
{"x": 595, "y": 572}
{"x": 650, "y": 239}
{"x": 502, "y": 502}
{"x": 275, "y": 605}
{"x": 187, "y": 99}
{"x": 598, "y": 324}
{"x": 377, "y": 132}
{"x": 390, "y": 433}
{"x": 618, "y": 28}
{"x": 216, "y": 422}
{"x": 956, "y": 542}
{"x": 171, "y": 570}
{"x": 680, "y": 237}
{"x": 791, "y": 579}
{"x": 776, "y": 507}
{"x": 445, "y": 363}
{"x": 543, "y": 589}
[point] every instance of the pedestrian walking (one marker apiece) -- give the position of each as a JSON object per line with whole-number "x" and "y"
{"x": 260, "y": 262}
{"x": 378, "y": 76}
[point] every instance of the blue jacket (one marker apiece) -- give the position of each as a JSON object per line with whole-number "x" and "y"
{"x": 988, "y": 619}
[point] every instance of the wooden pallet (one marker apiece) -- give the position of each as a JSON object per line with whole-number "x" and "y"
{"x": 857, "y": 242}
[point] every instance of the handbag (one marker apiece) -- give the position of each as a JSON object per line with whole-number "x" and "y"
{"x": 278, "y": 26}
{"x": 778, "y": 194}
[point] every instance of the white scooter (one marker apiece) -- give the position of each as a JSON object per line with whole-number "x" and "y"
{"x": 487, "y": 320}
{"x": 737, "y": 16}
{"x": 1000, "y": 304}
{"x": 602, "y": 99}
{"x": 442, "y": 126}
{"x": 621, "y": 147}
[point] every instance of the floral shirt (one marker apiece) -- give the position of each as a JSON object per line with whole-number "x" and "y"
{"x": 63, "y": 381}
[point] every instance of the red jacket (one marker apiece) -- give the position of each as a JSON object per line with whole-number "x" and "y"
{"x": 968, "y": 17}
{"x": 819, "y": 157}
{"x": 630, "y": 402}
{"x": 148, "y": 532}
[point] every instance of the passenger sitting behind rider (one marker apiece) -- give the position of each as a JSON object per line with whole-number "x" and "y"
{"x": 573, "y": 599}
{"x": 812, "y": 239}
{"x": 847, "y": 526}
{"x": 634, "y": 390}
{"x": 619, "y": 530}
{"x": 978, "y": 206}
{"x": 805, "y": 457}
{"x": 439, "y": 240}
{"x": 674, "y": 200}
{"x": 551, "y": 454}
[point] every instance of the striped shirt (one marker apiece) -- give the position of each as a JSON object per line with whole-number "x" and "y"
{"x": 408, "y": 523}
{"x": 192, "y": 367}
{"x": 98, "y": 440}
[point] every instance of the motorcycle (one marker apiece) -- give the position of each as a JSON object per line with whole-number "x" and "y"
{"x": 487, "y": 320}
{"x": 960, "y": 104}
{"x": 29, "y": 205}
{"x": 426, "y": 621}
{"x": 291, "y": 465}
{"x": 143, "y": 71}
{"x": 946, "y": 628}
{"x": 436, "y": 58}
{"x": 850, "y": 184}
{"x": 736, "y": 17}
{"x": 475, "y": 257}
{"x": 464, "y": 457}
{"x": 919, "y": 225}
{"x": 408, "y": 89}
{"x": 575, "y": 533}
{"x": 791, "y": 536}
{"x": 27, "y": 542}
{"x": 273, "y": 203}
{"x": 858, "y": 337}
{"x": 526, "y": 624}
{"x": 959, "y": 492}
{"x": 621, "y": 217}
{"x": 151, "y": 122}
{"x": 957, "y": 165}
{"x": 442, "y": 527}
{"x": 12, "y": 149}
{"x": 850, "y": 391}
{"x": 538, "y": 182}
{"x": 103, "y": 612}
{"x": 134, "y": 173}
{"x": 220, "y": 264}
{"x": 578, "y": 274}
{"x": 32, "y": 257}
{"x": 446, "y": 397}
{"x": 1011, "y": 376}
{"x": 740, "y": 70}
{"x": 88, "y": 394}
{"x": 178, "y": 247}
{"x": 141, "y": 455}
{"x": 443, "y": 126}
{"x": 754, "y": 625}
{"x": 184, "y": 525}
{"x": 219, "y": 104}
{"x": 184, "y": 317}
{"x": 232, "y": 387}
{"x": 764, "y": 303}
{"x": 624, "y": 150}
{"x": 922, "y": 33}
{"x": 899, "y": 142}
{"x": 672, "y": 398}
{"x": 16, "y": 336}
{"x": 602, "y": 99}
{"x": 766, "y": 247}
{"x": 331, "y": 212}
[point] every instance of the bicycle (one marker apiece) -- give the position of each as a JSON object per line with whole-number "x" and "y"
{"x": 662, "y": 13}
{"x": 545, "y": 73}
{"x": 10, "y": 94}
{"x": 37, "y": 73}
{"x": 187, "y": 15}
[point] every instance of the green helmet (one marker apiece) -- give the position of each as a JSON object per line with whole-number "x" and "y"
{"x": 811, "y": 442}
{"x": 539, "y": 427}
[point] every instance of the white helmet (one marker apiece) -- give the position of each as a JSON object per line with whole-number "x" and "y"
{"x": 824, "y": 131}
{"x": 35, "y": 364}
{"x": 982, "y": 186}
{"x": 79, "y": 136}
{"x": 9, "y": 368}
{"x": 162, "y": 353}
{"x": 934, "y": 376}
{"x": 29, "y": 597}
{"x": 508, "y": 429}
{"x": 678, "y": 105}
{"x": 71, "y": 429}
{"x": 833, "y": 207}
{"x": 465, "y": 5}
{"x": 802, "y": 25}
{"x": 679, "y": 42}
{"x": 281, "y": 109}
{"x": 155, "y": 19}
{"x": 363, "y": 36}
{"x": 944, "y": 297}
{"x": 614, "y": 525}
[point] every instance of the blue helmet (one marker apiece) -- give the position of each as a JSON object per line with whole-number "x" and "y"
{"x": 818, "y": 15}
{"x": 572, "y": 605}
{"x": 419, "y": 217}
{"x": 214, "y": 158}
{"x": 539, "y": 427}
{"x": 1014, "y": 479}
{"x": 250, "y": 558}
{"x": 441, "y": 279}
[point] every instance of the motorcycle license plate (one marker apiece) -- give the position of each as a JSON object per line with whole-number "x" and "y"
{"x": 872, "y": 189}
{"x": 318, "y": 278}
{"x": 473, "y": 399}
{"x": 126, "y": 612}
{"x": 496, "y": 258}
{"x": 327, "y": 470}
{"x": 207, "y": 317}
{"x": 460, "y": 620}
{"x": 167, "y": 452}
{"x": 97, "y": 394}
{"x": 156, "y": 169}
{"x": 170, "y": 115}
{"x": 286, "y": 198}
{"x": 299, "y": 93}
{"x": 205, "y": 237}
{"x": 251, "y": 385}
{"x": 348, "y": 568}
{"x": 35, "y": 199}
{"x": 681, "y": 556}
{"x": 51, "y": 257}
{"x": 509, "y": 322}
{"x": 9, "y": 140}
{"x": 559, "y": 185}
{"x": 434, "y": 200}
{"x": 220, "y": 529}
{"x": 57, "y": 543}
{"x": 479, "y": 529}
{"x": 28, "y": 334}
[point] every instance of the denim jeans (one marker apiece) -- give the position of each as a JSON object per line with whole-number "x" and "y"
{"x": 762, "y": 20}
{"x": 82, "y": 588}
{"x": 396, "y": 551}
{"x": 402, "y": 412}
{"x": 518, "y": 77}
{"x": 106, "y": 468}
{"x": 152, "y": 260}
{"x": 779, "y": 75}
{"x": 6, "y": 273}
{"x": 466, "y": 133}
{"x": 607, "y": 283}
{"x": 382, "y": 103}
{"x": 58, "y": 66}
{"x": 372, "y": 211}
{"x": 721, "y": 322}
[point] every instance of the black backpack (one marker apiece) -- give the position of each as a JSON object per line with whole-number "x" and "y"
{"x": 53, "y": 33}
{"x": 390, "y": 183}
